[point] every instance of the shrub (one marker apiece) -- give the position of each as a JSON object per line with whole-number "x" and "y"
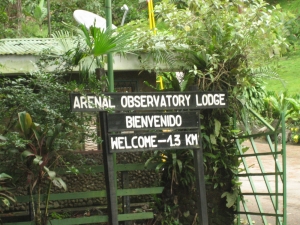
{"x": 295, "y": 135}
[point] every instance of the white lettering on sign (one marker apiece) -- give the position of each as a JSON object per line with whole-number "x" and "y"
{"x": 92, "y": 102}
{"x": 148, "y": 121}
{"x": 211, "y": 99}
{"x": 147, "y": 101}
{"x": 147, "y": 141}
{"x": 191, "y": 139}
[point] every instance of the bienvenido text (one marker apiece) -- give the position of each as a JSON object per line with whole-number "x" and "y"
{"x": 153, "y": 121}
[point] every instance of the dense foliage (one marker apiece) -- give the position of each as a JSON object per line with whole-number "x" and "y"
{"x": 216, "y": 45}
{"x": 27, "y": 18}
{"x": 36, "y": 125}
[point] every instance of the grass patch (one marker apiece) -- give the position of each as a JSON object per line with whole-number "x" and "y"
{"x": 289, "y": 75}
{"x": 288, "y": 66}
{"x": 291, "y": 5}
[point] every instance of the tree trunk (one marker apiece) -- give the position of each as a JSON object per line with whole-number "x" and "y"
{"x": 19, "y": 16}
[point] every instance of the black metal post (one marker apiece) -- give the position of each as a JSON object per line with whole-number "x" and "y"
{"x": 126, "y": 199}
{"x": 108, "y": 161}
{"x": 200, "y": 183}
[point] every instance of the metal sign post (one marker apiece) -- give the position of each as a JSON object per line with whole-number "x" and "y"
{"x": 108, "y": 161}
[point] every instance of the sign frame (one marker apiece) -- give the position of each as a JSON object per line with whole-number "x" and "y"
{"x": 181, "y": 102}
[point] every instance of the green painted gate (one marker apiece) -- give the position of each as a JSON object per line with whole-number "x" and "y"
{"x": 263, "y": 193}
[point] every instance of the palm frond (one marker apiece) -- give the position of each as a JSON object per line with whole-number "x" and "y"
{"x": 65, "y": 40}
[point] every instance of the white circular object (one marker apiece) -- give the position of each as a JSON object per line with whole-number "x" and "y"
{"x": 89, "y": 19}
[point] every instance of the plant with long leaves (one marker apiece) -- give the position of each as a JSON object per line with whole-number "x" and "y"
{"x": 40, "y": 152}
{"x": 5, "y": 195}
{"x": 177, "y": 165}
{"x": 282, "y": 102}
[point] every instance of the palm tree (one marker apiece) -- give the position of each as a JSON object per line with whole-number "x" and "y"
{"x": 89, "y": 48}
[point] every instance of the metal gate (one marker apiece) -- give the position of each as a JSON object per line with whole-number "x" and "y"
{"x": 263, "y": 192}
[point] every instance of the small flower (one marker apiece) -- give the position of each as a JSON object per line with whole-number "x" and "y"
{"x": 296, "y": 129}
{"x": 163, "y": 158}
{"x": 296, "y": 138}
{"x": 187, "y": 28}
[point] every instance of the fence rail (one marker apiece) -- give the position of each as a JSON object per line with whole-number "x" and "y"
{"x": 94, "y": 194}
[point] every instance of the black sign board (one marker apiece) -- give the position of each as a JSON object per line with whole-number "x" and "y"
{"x": 147, "y": 101}
{"x": 153, "y": 141}
{"x": 157, "y": 121}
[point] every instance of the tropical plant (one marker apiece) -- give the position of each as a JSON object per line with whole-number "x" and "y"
{"x": 5, "y": 195}
{"x": 92, "y": 45}
{"x": 295, "y": 135}
{"x": 44, "y": 97}
{"x": 41, "y": 152}
{"x": 275, "y": 104}
{"x": 177, "y": 166}
{"x": 40, "y": 12}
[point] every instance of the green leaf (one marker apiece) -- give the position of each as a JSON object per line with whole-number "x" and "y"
{"x": 150, "y": 85}
{"x": 212, "y": 139}
{"x": 73, "y": 170}
{"x": 40, "y": 12}
{"x": 85, "y": 33}
{"x": 148, "y": 161}
{"x": 27, "y": 153}
{"x": 158, "y": 167}
{"x": 4, "y": 176}
{"x": 217, "y": 127}
{"x": 6, "y": 202}
{"x": 2, "y": 138}
{"x": 38, "y": 160}
{"x": 174, "y": 159}
{"x": 51, "y": 139}
{"x": 179, "y": 163}
{"x": 108, "y": 41}
{"x": 58, "y": 182}
{"x": 37, "y": 134}
{"x": 230, "y": 198}
{"x": 52, "y": 174}
{"x": 186, "y": 214}
{"x": 210, "y": 155}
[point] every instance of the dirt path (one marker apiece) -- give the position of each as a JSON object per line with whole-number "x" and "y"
{"x": 293, "y": 183}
